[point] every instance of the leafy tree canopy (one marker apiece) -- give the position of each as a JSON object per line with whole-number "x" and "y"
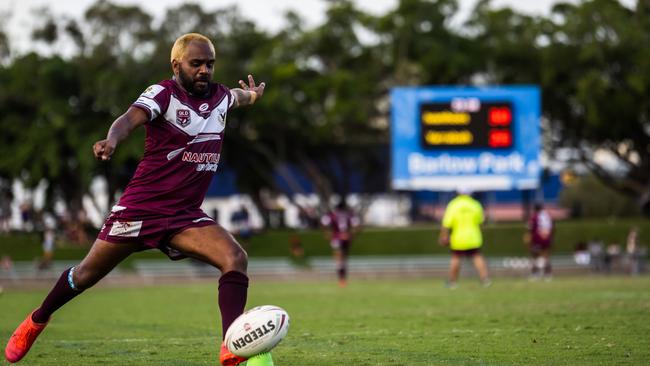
{"x": 326, "y": 107}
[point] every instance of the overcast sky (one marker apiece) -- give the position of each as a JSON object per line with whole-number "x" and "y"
{"x": 268, "y": 14}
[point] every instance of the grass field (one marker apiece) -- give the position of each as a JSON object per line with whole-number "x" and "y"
{"x": 569, "y": 321}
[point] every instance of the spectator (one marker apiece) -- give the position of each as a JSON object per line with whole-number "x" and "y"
{"x": 49, "y": 237}
{"x": 5, "y": 213}
{"x": 240, "y": 221}
{"x": 296, "y": 249}
{"x": 581, "y": 254}
{"x": 612, "y": 255}
{"x": 635, "y": 254}
{"x": 27, "y": 216}
{"x": 7, "y": 266}
{"x": 596, "y": 249}
{"x": 461, "y": 231}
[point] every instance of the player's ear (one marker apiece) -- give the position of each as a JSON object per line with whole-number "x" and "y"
{"x": 176, "y": 65}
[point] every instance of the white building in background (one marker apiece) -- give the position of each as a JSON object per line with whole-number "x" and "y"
{"x": 382, "y": 210}
{"x": 388, "y": 209}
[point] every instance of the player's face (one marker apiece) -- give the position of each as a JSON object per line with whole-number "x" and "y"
{"x": 196, "y": 68}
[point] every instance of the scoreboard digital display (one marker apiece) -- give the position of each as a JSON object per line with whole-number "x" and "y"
{"x": 483, "y": 138}
{"x": 467, "y": 123}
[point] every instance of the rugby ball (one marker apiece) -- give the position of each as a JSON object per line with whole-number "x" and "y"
{"x": 256, "y": 331}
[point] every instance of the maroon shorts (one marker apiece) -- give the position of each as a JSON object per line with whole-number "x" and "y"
{"x": 342, "y": 245}
{"x": 537, "y": 248}
{"x": 124, "y": 225}
{"x": 466, "y": 253}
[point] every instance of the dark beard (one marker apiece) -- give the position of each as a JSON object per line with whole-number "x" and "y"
{"x": 189, "y": 84}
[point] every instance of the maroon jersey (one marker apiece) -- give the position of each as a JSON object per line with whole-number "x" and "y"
{"x": 341, "y": 223}
{"x": 183, "y": 143}
{"x": 540, "y": 227}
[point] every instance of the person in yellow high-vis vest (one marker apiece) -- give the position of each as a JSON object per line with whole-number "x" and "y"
{"x": 461, "y": 231}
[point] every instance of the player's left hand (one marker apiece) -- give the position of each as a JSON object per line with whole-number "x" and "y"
{"x": 259, "y": 89}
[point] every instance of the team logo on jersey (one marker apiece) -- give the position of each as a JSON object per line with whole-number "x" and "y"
{"x": 222, "y": 116}
{"x": 126, "y": 228}
{"x": 152, "y": 91}
{"x": 183, "y": 117}
{"x": 204, "y": 107}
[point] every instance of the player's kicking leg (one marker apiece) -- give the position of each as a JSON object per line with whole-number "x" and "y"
{"x": 215, "y": 246}
{"x": 99, "y": 261}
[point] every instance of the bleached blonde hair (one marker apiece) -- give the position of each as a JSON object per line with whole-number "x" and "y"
{"x": 180, "y": 46}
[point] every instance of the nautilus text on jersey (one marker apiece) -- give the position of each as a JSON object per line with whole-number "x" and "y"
{"x": 205, "y": 161}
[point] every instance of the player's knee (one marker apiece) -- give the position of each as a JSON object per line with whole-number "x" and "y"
{"x": 240, "y": 259}
{"x": 83, "y": 278}
{"x": 236, "y": 260}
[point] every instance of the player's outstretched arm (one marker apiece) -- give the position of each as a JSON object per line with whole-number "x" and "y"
{"x": 248, "y": 93}
{"x": 120, "y": 129}
{"x": 443, "y": 239}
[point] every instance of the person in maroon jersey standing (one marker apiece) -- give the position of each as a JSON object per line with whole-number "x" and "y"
{"x": 341, "y": 225}
{"x": 539, "y": 239}
{"x": 184, "y": 118}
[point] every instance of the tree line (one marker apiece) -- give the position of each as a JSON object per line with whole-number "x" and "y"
{"x": 326, "y": 109}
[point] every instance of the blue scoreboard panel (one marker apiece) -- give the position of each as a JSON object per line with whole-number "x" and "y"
{"x": 444, "y": 138}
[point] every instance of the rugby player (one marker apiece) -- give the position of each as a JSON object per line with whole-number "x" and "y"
{"x": 341, "y": 224}
{"x": 461, "y": 231}
{"x": 539, "y": 239}
{"x": 184, "y": 118}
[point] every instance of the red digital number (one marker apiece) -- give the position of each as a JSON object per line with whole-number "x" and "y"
{"x": 499, "y": 116}
{"x": 500, "y": 138}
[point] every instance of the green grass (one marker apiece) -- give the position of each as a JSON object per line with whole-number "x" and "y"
{"x": 569, "y": 321}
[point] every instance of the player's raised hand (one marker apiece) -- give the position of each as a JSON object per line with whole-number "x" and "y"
{"x": 259, "y": 89}
{"x": 103, "y": 150}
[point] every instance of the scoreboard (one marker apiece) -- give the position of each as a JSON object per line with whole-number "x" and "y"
{"x": 466, "y": 122}
{"x": 483, "y": 139}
